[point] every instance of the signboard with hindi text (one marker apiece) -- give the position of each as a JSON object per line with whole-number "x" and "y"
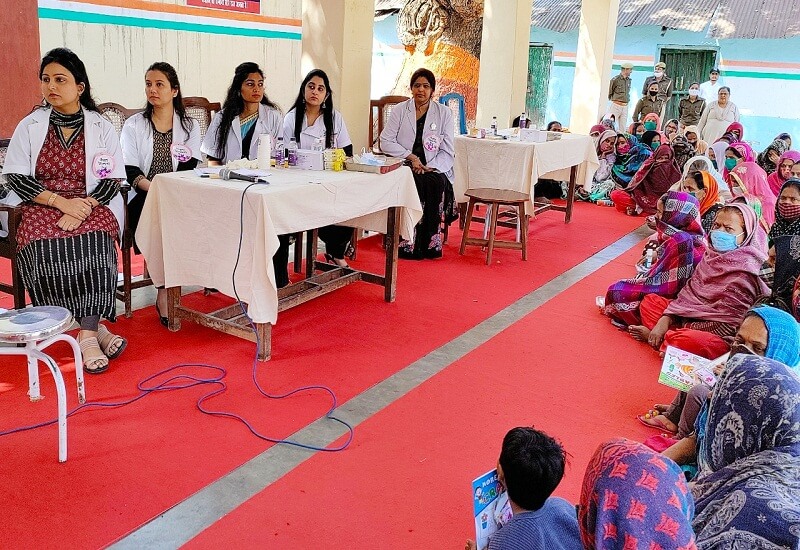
{"x": 244, "y": 6}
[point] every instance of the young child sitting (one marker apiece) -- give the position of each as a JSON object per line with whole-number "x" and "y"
{"x": 530, "y": 467}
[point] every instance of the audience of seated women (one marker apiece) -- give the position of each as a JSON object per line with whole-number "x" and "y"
{"x": 705, "y": 189}
{"x": 783, "y": 171}
{"x": 653, "y": 179}
{"x": 784, "y": 237}
{"x": 748, "y": 183}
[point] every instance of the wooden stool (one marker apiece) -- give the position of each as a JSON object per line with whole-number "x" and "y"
{"x": 496, "y": 198}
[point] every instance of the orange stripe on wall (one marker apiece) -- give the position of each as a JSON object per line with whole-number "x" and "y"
{"x": 625, "y": 57}
{"x": 767, "y": 64}
{"x": 186, "y": 10}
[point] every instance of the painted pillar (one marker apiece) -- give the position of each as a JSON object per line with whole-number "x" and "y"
{"x": 337, "y": 38}
{"x": 503, "y": 74}
{"x": 19, "y": 63}
{"x": 595, "y": 52}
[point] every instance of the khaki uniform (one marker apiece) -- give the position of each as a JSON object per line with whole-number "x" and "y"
{"x": 645, "y": 106}
{"x": 689, "y": 112}
{"x": 619, "y": 95}
{"x": 664, "y": 87}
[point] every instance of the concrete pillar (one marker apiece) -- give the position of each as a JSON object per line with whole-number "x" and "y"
{"x": 337, "y": 38}
{"x": 598, "y": 32}
{"x": 19, "y": 63}
{"x": 503, "y": 74}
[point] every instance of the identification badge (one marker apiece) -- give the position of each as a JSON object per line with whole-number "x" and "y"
{"x": 181, "y": 152}
{"x": 431, "y": 143}
{"x": 102, "y": 165}
{"x": 433, "y": 126}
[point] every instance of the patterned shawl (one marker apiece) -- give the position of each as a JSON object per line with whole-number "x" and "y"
{"x": 785, "y": 237}
{"x": 701, "y": 163}
{"x": 683, "y": 150}
{"x": 681, "y": 247}
{"x": 726, "y": 284}
{"x": 701, "y": 145}
{"x": 628, "y": 164}
{"x": 654, "y": 178}
{"x": 634, "y": 498}
{"x": 733, "y": 133}
{"x": 752, "y": 180}
{"x": 774, "y": 179}
{"x": 747, "y": 494}
{"x": 779, "y": 147}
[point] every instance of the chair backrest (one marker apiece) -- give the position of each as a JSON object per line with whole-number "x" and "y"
{"x": 379, "y": 110}
{"x": 3, "y": 150}
{"x": 202, "y": 110}
{"x": 456, "y": 103}
{"x": 116, "y": 114}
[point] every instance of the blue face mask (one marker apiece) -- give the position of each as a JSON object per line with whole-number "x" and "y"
{"x": 723, "y": 241}
{"x": 730, "y": 163}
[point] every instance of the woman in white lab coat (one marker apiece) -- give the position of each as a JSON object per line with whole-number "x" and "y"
{"x": 64, "y": 167}
{"x": 313, "y": 120}
{"x": 421, "y": 131}
{"x": 161, "y": 139}
{"x": 246, "y": 114}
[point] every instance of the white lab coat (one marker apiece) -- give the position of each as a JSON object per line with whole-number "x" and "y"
{"x": 308, "y": 135}
{"x": 397, "y": 138}
{"x": 99, "y": 135}
{"x": 269, "y": 122}
{"x": 137, "y": 142}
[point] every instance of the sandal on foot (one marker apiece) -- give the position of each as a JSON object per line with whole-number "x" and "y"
{"x": 651, "y": 422}
{"x": 97, "y": 363}
{"x": 338, "y": 262}
{"x": 109, "y": 342}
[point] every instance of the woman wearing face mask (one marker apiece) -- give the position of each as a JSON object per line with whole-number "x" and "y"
{"x": 769, "y": 157}
{"x": 734, "y": 133}
{"x": 706, "y": 313}
{"x": 671, "y": 128}
{"x": 717, "y": 116}
{"x": 681, "y": 245}
{"x": 784, "y": 237}
{"x": 683, "y": 150}
{"x": 691, "y": 107}
{"x": 648, "y": 104}
{"x": 748, "y": 183}
{"x": 652, "y": 122}
{"x": 651, "y": 139}
{"x": 783, "y": 171}
{"x": 602, "y": 184}
{"x": 651, "y": 181}
{"x": 636, "y": 129}
{"x": 702, "y": 186}
{"x": 693, "y": 136}
{"x": 630, "y": 156}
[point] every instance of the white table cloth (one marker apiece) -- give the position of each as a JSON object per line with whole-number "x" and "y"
{"x": 190, "y": 226}
{"x": 517, "y": 166}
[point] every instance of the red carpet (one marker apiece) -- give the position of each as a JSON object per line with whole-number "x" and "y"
{"x": 127, "y": 465}
{"x": 563, "y": 369}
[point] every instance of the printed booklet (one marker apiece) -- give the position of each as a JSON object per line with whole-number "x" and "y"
{"x": 683, "y": 370}
{"x": 491, "y": 507}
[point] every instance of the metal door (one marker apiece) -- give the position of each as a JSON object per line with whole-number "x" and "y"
{"x": 685, "y": 65}
{"x": 540, "y": 58}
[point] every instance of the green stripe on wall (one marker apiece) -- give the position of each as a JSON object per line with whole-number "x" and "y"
{"x": 738, "y": 74}
{"x": 104, "y": 19}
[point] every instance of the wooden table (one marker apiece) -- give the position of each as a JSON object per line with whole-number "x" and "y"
{"x": 190, "y": 229}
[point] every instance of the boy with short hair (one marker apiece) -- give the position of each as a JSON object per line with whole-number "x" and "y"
{"x": 530, "y": 467}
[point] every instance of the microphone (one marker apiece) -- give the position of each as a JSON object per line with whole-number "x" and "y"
{"x": 228, "y": 174}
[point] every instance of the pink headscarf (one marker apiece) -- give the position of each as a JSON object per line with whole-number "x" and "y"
{"x": 753, "y": 180}
{"x": 744, "y": 150}
{"x": 725, "y": 285}
{"x": 774, "y": 179}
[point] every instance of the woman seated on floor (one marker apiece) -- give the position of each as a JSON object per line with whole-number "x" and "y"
{"x": 681, "y": 244}
{"x": 748, "y": 183}
{"x": 634, "y": 498}
{"x": 651, "y": 139}
{"x": 653, "y": 179}
{"x": 64, "y": 166}
{"x": 683, "y": 150}
{"x": 421, "y": 131}
{"x": 693, "y": 137}
{"x": 704, "y": 317}
{"x": 783, "y": 171}
{"x": 161, "y": 139}
{"x": 602, "y": 182}
{"x": 636, "y": 130}
{"x": 769, "y": 157}
{"x": 784, "y": 237}
{"x": 766, "y": 331}
{"x": 735, "y": 155}
{"x": 747, "y": 491}
{"x": 311, "y": 120}
{"x": 705, "y": 189}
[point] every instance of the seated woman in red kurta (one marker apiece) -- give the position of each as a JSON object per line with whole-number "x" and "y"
{"x": 705, "y": 315}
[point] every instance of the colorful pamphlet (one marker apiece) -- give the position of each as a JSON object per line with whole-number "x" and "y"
{"x": 683, "y": 370}
{"x": 491, "y": 507}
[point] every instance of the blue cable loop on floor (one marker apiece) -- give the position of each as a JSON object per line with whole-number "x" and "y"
{"x": 184, "y": 381}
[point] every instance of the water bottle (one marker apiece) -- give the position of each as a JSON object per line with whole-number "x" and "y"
{"x": 650, "y": 258}
{"x": 291, "y": 153}
{"x": 264, "y": 151}
{"x": 494, "y": 126}
{"x": 279, "y": 153}
{"x": 523, "y": 121}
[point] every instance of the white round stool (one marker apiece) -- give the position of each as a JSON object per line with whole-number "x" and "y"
{"x": 38, "y": 327}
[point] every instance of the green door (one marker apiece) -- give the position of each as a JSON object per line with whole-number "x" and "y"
{"x": 540, "y": 58}
{"x": 684, "y": 66}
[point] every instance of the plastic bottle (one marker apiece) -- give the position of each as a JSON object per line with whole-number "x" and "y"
{"x": 278, "y": 153}
{"x": 494, "y": 126}
{"x": 523, "y": 120}
{"x": 291, "y": 153}
{"x": 318, "y": 145}
{"x": 264, "y": 151}
{"x": 650, "y": 258}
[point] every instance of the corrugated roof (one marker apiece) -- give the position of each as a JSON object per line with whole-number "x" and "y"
{"x": 761, "y": 19}
{"x": 556, "y": 15}
{"x": 675, "y": 14}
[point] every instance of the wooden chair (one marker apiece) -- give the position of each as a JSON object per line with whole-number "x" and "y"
{"x": 379, "y": 110}
{"x": 202, "y": 110}
{"x": 128, "y": 285}
{"x": 496, "y": 198}
{"x": 116, "y": 114}
{"x": 456, "y": 103}
{"x": 10, "y": 218}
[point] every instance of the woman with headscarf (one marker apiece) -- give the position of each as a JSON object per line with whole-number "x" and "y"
{"x": 768, "y": 158}
{"x": 705, "y": 189}
{"x": 783, "y": 171}
{"x": 681, "y": 245}
{"x": 733, "y": 133}
{"x": 602, "y": 184}
{"x": 747, "y": 493}
{"x": 748, "y": 182}
{"x": 704, "y": 317}
{"x": 630, "y": 156}
{"x": 595, "y": 132}
{"x": 634, "y": 498}
{"x": 651, "y": 181}
{"x": 671, "y": 128}
{"x": 784, "y": 236}
{"x": 652, "y": 122}
{"x": 683, "y": 150}
{"x": 716, "y": 153}
{"x": 693, "y": 136}
{"x": 652, "y": 139}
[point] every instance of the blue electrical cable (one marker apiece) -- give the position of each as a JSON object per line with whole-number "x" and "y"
{"x": 189, "y": 381}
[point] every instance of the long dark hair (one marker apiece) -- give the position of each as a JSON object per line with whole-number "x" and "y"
{"x": 234, "y": 104}
{"x": 70, "y": 61}
{"x": 326, "y": 107}
{"x": 177, "y": 102}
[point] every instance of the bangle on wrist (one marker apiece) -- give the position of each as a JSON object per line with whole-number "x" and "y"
{"x": 52, "y": 199}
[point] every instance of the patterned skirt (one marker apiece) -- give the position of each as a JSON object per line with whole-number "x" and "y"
{"x": 78, "y": 273}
